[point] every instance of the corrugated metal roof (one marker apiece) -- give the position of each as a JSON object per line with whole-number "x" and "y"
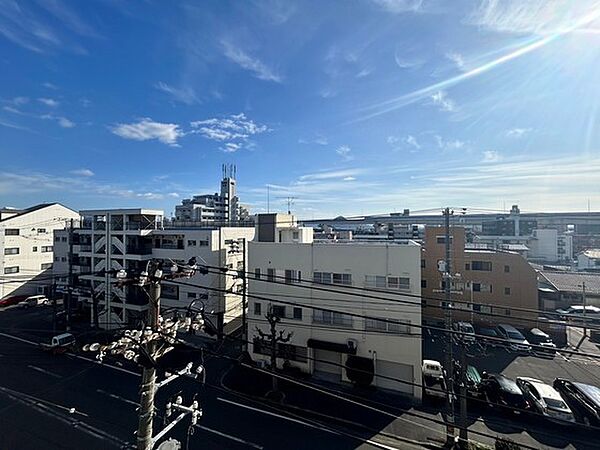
{"x": 573, "y": 281}
{"x": 593, "y": 253}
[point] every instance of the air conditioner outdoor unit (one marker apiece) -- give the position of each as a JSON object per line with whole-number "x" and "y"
{"x": 352, "y": 343}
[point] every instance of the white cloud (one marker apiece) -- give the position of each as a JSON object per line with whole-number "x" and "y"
{"x": 349, "y": 178}
{"x": 532, "y": 16}
{"x": 247, "y": 62}
{"x": 146, "y": 129}
{"x": 393, "y": 140}
{"x": 20, "y": 100}
{"x": 344, "y": 152}
{"x": 412, "y": 141}
{"x": 184, "y": 94}
{"x": 491, "y": 156}
{"x": 64, "y": 122}
{"x": 457, "y": 59}
{"x": 234, "y": 130}
{"x": 442, "y": 101}
{"x": 518, "y": 133}
{"x": 49, "y": 102}
{"x": 319, "y": 140}
{"x": 399, "y": 6}
{"x": 83, "y": 172}
{"x": 327, "y": 92}
{"x": 454, "y": 144}
{"x": 364, "y": 73}
{"x": 332, "y": 174}
{"x": 50, "y": 86}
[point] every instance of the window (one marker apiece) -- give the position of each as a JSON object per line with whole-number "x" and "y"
{"x": 295, "y": 235}
{"x": 11, "y": 232}
{"x": 57, "y": 258}
{"x": 13, "y": 269}
{"x": 46, "y": 266}
{"x": 41, "y": 230}
{"x": 467, "y": 266}
{"x": 290, "y": 276}
{"x": 423, "y": 264}
{"x": 191, "y": 243}
{"x": 64, "y": 239}
{"x": 63, "y": 259}
{"x": 387, "y": 327}
{"x": 278, "y": 311}
{"x": 285, "y": 351}
{"x": 442, "y": 239}
{"x": 398, "y": 282}
{"x": 342, "y": 278}
{"x": 270, "y": 274}
{"x": 507, "y": 312}
{"x": 298, "y": 313}
{"x": 11, "y": 251}
{"x": 423, "y": 284}
{"x": 203, "y": 243}
{"x": 257, "y": 308}
{"x": 47, "y": 248}
{"x": 332, "y": 318}
{"x": 191, "y": 295}
{"x": 506, "y": 291}
{"x": 34, "y": 249}
{"x": 481, "y": 265}
{"x": 322, "y": 277}
{"x": 375, "y": 281}
{"x": 170, "y": 291}
{"x": 57, "y": 238}
{"x": 257, "y": 273}
{"x": 506, "y": 269}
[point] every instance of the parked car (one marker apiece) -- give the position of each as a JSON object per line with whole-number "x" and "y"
{"x": 33, "y": 301}
{"x": 467, "y": 332}
{"x": 434, "y": 382}
{"x": 545, "y": 399}
{"x": 513, "y": 339}
{"x": 12, "y": 300}
{"x": 60, "y": 343}
{"x": 500, "y": 390}
{"x": 488, "y": 337}
{"x": 576, "y": 312}
{"x": 474, "y": 382}
{"x": 583, "y": 399}
{"x": 537, "y": 337}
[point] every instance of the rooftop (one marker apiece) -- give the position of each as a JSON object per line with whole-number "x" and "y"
{"x": 573, "y": 281}
{"x": 22, "y": 212}
{"x": 593, "y": 253}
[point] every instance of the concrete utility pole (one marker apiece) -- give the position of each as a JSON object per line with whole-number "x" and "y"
{"x": 70, "y": 286}
{"x": 273, "y": 339}
{"x": 448, "y": 325}
{"x": 148, "y": 389}
{"x": 244, "y": 297}
{"x": 584, "y": 301}
{"x": 463, "y": 433}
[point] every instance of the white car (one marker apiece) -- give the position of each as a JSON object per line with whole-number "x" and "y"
{"x": 34, "y": 300}
{"x": 545, "y": 399}
{"x": 434, "y": 383}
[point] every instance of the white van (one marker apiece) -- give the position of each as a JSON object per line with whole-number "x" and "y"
{"x": 34, "y": 300}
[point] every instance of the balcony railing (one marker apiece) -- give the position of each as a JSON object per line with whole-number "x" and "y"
{"x": 85, "y": 248}
{"x": 170, "y": 246}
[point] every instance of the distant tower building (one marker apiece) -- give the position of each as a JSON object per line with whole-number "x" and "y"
{"x": 213, "y": 209}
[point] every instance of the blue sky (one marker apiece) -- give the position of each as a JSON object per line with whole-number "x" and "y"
{"x": 351, "y": 107}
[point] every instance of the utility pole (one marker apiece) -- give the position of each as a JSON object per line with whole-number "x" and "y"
{"x": 53, "y": 293}
{"x": 273, "y": 338}
{"x": 94, "y": 307}
{"x": 584, "y": 301}
{"x": 148, "y": 389}
{"x": 448, "y": 325}
{"x": 244, "y": 296}
{"x": 70, "y": 286}
{"x": 463, "y": 442}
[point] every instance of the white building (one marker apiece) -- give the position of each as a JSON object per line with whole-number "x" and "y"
{"x": 589, "y": 260}
{"x": 388, "y": 349}
{"x": 26, "y": 247}
{"x": 218, "y": 208}
{"x": 550, "y": 245}
{"x": 128, "y": 239}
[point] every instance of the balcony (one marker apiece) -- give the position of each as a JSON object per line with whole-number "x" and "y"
{"x": 138, "y": 250}
{"x": 85, "y": 248}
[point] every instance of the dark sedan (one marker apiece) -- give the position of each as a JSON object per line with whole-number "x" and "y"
{"x": 503, "y": 392}
{"x": 583, "y": 399}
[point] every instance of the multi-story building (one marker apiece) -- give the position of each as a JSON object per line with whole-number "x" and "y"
{"x": 128, "y": 239}
{"x": 286, "y": 263}
{"x": 485, "y": 281}
{"x": 219, "y": 208}
{"x": 27, "y": 247}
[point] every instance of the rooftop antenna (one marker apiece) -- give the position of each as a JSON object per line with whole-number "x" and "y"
{"x": 290, "y": 202}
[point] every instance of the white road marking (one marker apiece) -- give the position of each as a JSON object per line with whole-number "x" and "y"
{"x": 310, "y": 425}
{"x": 47, "y": 372}
{"x": 117, "y": 397}
{"x": 16, "y": 338}
{"x": 233, "y": 438}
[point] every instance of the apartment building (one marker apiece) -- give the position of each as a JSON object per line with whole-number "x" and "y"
{"x": 487, "y": 281}
{"x": 27, "y": 247}
{"x": 128, "y": 239}
{"x": 220, "y": 208}
{"x": 329, "y": 344}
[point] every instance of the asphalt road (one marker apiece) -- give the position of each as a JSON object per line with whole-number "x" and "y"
{"x": 69, "y": 402}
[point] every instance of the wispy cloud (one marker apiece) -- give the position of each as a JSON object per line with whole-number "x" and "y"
{"x": 332, "y": 174}
{"x": 65, "y": 123}
{"x": 184, "y": 94}
{"x": 259, "y": 69}
{"x": 412, "y": 141}
{"x": 457, "y": 59}
{"x": 452, "y": 144}
{"x": 233, "y": 131}
{"x": 50, "y": 86}
{"x": 83, "y": 172}
{"x": 442, "y": 101}
{"x": 518, "y": 133}
{"x": 407, "y": 63}
{"x": 399, "y": 6}
{"x": 491, "y": 156}
{"x": 146, "y": 129}
{"x": 49, "y": 102}
{"x": 319, "y": 140}
{"x": 345, "y": 152}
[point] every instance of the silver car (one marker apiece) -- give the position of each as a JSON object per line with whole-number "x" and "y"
{"x": 545, "y": 399}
